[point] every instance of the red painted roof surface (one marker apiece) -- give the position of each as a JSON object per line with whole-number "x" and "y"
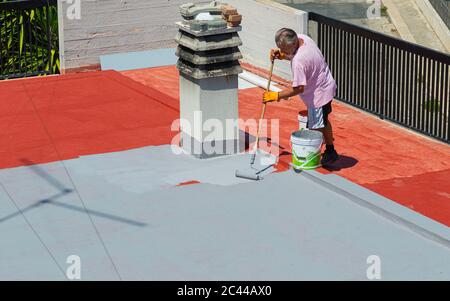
{"x": 63, "y": 117}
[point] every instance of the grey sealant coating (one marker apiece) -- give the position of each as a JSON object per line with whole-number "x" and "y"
{"x": 286, "y": 227}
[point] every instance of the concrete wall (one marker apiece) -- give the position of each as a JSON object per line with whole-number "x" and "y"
{"x": 261, "y": 20}
{"x": 116, "y": 26}
{"x": 433, "y": 18}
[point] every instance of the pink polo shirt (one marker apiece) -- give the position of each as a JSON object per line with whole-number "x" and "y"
{"x": 309, "y": 69}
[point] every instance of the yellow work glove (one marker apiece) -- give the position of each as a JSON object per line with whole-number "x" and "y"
{"x": 277, "y": 54}
{"x": 271, "y": 96}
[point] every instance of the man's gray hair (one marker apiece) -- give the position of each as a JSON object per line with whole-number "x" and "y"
{"x": 286, "y": 37}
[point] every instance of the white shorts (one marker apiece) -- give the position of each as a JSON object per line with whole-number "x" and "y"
{"x": 318, "y": 118}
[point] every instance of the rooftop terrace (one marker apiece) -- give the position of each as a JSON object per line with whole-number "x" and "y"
{"x": 90, "y": 167}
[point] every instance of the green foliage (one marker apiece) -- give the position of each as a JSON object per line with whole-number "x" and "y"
{"x": 433, "y": 105}
{"x": 25, "y": 40}
{"x": 384, "y": 10}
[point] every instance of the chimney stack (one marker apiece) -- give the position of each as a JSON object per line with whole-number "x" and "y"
{"x": 208, "y": 63}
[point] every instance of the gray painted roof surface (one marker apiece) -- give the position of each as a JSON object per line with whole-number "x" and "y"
{"x": 123, "y": 216}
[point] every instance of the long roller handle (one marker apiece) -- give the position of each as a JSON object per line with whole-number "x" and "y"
{"x": 262, "y": 113}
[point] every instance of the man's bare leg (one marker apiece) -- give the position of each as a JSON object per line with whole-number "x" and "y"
{"x": 330, "y": 154}
{"x": 327, "y": 133}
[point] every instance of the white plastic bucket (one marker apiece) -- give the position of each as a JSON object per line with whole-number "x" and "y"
{"x": 306, "y": 149}
{"x": 303, "y": 120}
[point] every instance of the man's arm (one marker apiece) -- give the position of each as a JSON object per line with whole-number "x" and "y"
{"x": 285, "y": 94}
{"x": 293, "y": 91}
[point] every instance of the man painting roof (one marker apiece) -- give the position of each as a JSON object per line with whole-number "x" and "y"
{"x": 312, "y": 81}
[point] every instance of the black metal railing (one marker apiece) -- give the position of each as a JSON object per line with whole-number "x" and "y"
{"x": 442, "y": 7}
{"x": 396, "y": 80}
{"x": 28, "y": 38}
